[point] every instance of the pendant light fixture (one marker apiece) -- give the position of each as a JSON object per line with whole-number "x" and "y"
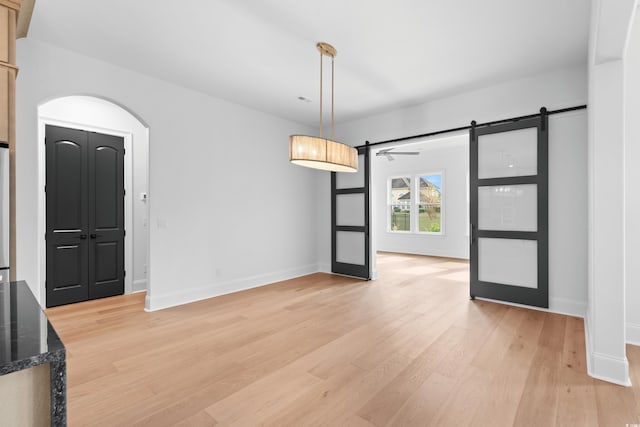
{"x": 318, "y": 152}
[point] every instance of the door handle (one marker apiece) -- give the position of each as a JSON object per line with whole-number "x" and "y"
{"x": 473, "y": 234}
{"x": 93, "y": 235}
{"x": 82, "y": 237}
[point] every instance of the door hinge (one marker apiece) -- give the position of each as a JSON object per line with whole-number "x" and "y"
{"x": 125, "y": 233}
{"x": 45, "y": 188}
{"x": 125, "y": 274}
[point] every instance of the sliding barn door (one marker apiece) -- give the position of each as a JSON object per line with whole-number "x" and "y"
{"x": 509, "y": 216}
{"x": 350, "y": 220}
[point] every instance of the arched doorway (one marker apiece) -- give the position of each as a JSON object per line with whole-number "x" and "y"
{"x": 98, "y": 115}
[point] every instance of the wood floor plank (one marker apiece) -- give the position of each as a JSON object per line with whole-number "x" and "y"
{"x": 356, "y": 421}
{"x": 201, "y": 419}
{"x": 616, "y": 405}
{"x": 576, "y": 391}
{"x": 263, "y": 399}
{"x": 316, "y": 401}
{"x": 424, "y": 330}
{"x": 509, "y": 379}
{"x": 491, "y": 353}
{"x": 633, "y": 354}
{"x": 541, "y": 385}
{"x": 214, "y": 384}
{"x": 384, "y": 405}
{"x": 422, "y": 406}
{"x": 406, "y": 349}
{"x": 361, "y": 339}
{"x": 332, "y": 402}
{"x": 463, "y": 353}
{"x": 358, "y": 392}
{"x": 540, "y": 390}
{"x": 465, "y": 397}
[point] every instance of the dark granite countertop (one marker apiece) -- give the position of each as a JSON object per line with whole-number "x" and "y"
{"x": 27, "y": 339}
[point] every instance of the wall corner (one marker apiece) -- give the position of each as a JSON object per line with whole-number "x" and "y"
{"x": 603, "y": 366}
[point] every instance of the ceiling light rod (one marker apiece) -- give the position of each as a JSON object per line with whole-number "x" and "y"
{"x": 318, "y": 152}
{"x": 326, "y": 49}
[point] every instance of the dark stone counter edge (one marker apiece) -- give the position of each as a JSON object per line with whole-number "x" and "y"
{"x": 58, "y": 377}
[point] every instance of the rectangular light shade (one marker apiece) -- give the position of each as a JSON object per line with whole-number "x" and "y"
{"x": 321, "y": 153}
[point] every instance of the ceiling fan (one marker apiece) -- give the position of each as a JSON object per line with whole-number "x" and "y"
{"x": 388, "y": 153}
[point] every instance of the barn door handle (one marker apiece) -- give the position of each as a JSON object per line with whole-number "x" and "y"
{"x": 93, "y": 235}
{"x": 83, "y": 237}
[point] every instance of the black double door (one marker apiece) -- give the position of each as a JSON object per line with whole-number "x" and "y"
{"x": 85, "y": 215}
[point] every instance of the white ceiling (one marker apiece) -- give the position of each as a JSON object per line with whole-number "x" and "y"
{"x": 261, "y": 53}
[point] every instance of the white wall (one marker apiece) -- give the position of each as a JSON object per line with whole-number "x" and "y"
{"x": 558, "y": 89}
{"x": 448, "y": 156}
{"x": 605, "y": 322}
{"x": 567, "y": 162}
{"x": 568, "y": 213}
{"x": 103, "y": 116}
{"x": 227, "y": 211}
{"x": 632, "y": 179}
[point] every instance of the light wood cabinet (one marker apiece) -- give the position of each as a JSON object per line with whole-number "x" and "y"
{"x": 8, "y": 22}
{"x": 4, "y": 104}
{"x": 4, "y": 35}
{"x": 8, "y": 72}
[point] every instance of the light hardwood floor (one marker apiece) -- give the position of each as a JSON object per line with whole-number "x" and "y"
{"x": 407, "y": 349}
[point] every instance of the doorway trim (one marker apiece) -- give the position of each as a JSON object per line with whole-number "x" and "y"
{"x": 43, "y": 120}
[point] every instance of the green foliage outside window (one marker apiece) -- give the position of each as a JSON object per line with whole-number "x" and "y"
{"x": 427, "y": 208}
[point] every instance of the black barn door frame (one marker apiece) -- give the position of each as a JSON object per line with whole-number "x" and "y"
{"x": 539, "y": 296}
{"x": 339, "y": 267}
{"x": 356, "y": 270}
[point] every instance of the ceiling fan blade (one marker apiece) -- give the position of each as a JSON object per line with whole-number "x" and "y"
{"x": 387, "y": 152}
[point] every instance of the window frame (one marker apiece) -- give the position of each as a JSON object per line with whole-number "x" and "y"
{"x": 415, "y": 204}
{"x": 411, "y": 214}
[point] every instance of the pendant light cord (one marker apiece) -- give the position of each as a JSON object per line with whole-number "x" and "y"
{"x": 332, "y": 92}
{"x": 332, "y": 136}
{"x": 320, "y": 94}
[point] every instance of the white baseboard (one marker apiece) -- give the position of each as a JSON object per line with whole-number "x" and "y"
{"x": 430, "y": 252}
{"x": 324, "y": 267}
{"x": 172, "y": 299}
{"x": 568, "y": 307}
{"x": 556, "y": 305}
{"x": 602, "y": 366}
{"x": 633, "y": 333}
{"x": 139, "y": 285}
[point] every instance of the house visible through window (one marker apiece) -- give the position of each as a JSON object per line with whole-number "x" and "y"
{"x": 400, "y": 204}
{"x": 421, "y": 214}
{"x": 429, "y": 209}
